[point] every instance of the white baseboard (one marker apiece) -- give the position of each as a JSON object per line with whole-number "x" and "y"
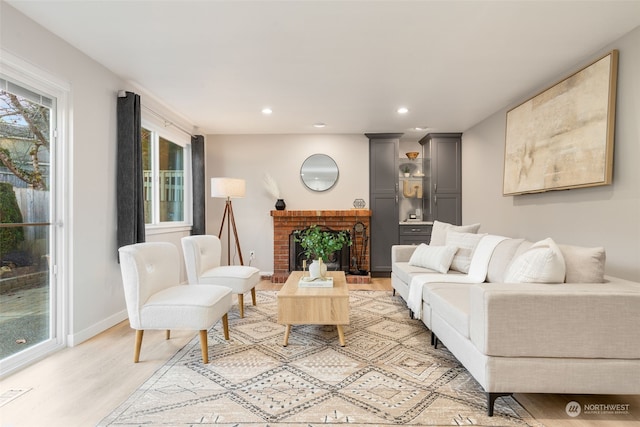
{"x": 93, "y": 330}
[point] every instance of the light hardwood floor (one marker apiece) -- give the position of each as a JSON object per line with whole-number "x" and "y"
{"x": 79, "y": 386}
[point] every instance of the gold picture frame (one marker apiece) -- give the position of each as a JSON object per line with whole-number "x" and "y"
{"x": 563, "y": 137}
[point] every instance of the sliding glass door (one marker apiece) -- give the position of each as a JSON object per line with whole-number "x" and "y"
{"x": 27, "y": 285}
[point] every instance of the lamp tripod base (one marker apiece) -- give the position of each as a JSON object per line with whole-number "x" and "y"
{"x": 231, "y": 222}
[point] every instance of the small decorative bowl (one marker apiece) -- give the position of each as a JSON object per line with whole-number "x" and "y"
{"x": 412, "y": 155}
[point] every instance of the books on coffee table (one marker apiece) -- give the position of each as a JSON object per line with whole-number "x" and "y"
{"x": 315, "y": 282}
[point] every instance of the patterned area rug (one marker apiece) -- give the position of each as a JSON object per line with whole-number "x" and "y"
{"x": 387, "y": 374}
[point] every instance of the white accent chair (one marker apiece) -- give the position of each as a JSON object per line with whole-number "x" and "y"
{"x": 156, "y": 299}
{"x": 202, "y": 256}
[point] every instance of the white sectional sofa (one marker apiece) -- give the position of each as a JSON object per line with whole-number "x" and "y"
{"x": 581, "y": 336}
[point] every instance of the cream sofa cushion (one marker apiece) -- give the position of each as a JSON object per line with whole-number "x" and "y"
{"x": 581, "y": 320}
{"x": 405, "y": 271}
{"x": 439, "y": 231}
{"x": 542, "y": 263}
{"x": 437, "y": 258}
{"x": 452, "y": 303}
{"x": 583, "y": 265}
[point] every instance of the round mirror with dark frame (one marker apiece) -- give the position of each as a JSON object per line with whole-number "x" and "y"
{"x": 319, "y": 172}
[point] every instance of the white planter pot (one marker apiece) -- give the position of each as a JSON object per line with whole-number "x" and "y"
{"x": 317, "y": 269}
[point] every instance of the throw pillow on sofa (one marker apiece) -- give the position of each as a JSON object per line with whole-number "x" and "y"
{"x": 466, "y": 244}
{"x": 583, "y": 265}
{"x": 542, "y": 263}
{"x": 439, "y": 231}
{"x": 436, "y": 258}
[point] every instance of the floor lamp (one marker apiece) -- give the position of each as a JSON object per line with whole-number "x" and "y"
{"x": 226, "y": 188}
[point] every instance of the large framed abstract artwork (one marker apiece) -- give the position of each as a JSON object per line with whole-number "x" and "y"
{"x": 562, "y": 138}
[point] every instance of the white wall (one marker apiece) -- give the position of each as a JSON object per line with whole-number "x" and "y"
{"x": 95, "y": 288}
{"x": 606, "y": 216}
{"x": 251, "y": 156}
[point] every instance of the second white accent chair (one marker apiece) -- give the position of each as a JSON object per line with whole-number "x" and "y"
{"x": 202, "y": 256}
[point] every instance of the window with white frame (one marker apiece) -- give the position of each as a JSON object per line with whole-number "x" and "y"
{"x": 166, "y": 164}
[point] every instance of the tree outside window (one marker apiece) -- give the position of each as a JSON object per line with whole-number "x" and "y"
{"x": 24, "y": 140}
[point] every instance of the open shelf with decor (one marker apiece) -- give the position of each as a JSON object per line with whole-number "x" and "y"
{"x": 413, "y": 187}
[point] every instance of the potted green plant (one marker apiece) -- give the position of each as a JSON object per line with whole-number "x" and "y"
{"x": 318, "y": 244}
{"x": 406, "y": 170}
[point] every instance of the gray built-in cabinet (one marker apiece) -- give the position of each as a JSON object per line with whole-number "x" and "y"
{"x": 436, "y": 176}
{"x": 383, "y": 199}
{"x": 446, "y": 175}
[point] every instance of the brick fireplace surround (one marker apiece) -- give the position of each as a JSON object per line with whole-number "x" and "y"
{"x": 286, "y": 221}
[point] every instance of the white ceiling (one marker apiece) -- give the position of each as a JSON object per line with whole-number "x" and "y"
{"x": 349, "y": 64}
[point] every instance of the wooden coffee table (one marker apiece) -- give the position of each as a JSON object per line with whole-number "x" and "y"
{"x": 314, "y": 306}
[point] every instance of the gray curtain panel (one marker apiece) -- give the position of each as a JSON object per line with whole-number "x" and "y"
{"x": 130, "y": 192}
{"x": 197, "y": 170}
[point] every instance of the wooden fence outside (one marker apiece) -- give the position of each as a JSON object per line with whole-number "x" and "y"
{"x": 34, "y": 205}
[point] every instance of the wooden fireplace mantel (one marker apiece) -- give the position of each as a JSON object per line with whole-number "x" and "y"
{"x": 323, "y": 213}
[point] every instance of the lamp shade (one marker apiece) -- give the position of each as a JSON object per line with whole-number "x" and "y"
{"x": 227, "y": 187}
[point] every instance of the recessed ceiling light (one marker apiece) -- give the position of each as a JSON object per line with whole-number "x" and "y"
{"x": 319, "y": 125}
{"x": 267, "y": 111}
{"x": 419, "y": 128}
{"x": 402, "y": 110}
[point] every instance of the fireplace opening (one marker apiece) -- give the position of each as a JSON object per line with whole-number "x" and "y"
{"x": 339, "y": 260}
